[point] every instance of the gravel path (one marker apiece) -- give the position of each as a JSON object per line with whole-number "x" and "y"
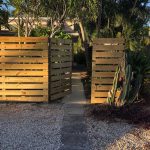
{"x": 116, "y": 136}
{"x": 30, "y": 126}
{"x": 64, "y": 126}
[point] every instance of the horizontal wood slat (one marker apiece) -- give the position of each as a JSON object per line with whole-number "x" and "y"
{"x": 23, "y": 60}
{"x": 24, "y": 66}
{"x": 108, "y": 47}
{"x": 102, "y": 41}
{"x": 24, "y": 69}
{"x": 104, "y": 67}
{"x": 25, "y": 99}
{"x": 23, "y": 46}
{"x": 24, "y": 53}
{"x": 61, "y": 68}
{"x": 24, "y": 86}
{"x": 24, "y": 39}
{"x": 24, "y": 92}
{"x": 23, "y": 73}
{"x": 22, "y": 79}
{"x": 107, "y": 61}
{"x": 107, "y": 54}
{"x": 60, "y": 95}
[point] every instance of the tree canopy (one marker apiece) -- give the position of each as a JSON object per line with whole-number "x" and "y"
{"x": 101, "y": 18}
{"x": 3, "y": 15}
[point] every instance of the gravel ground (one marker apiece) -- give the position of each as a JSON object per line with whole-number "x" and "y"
{"x": 104, "y": 135}
{"x": 30, "y": 126}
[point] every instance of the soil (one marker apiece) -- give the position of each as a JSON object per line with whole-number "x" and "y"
{"x": 138, "y": 113}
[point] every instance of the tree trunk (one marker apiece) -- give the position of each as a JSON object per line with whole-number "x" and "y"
{"x": 19, "y": 24}
{"x": 85, "y": 41}
{"x": 99, "y": 20}
{"x": 26, "y": 26}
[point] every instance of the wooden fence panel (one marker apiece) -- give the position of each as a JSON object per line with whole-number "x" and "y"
{"x": 107, "y": 54}
{"x": 61, "y": 68}
{"x": 34, "y": 69}
{"x": 24, "y": 69}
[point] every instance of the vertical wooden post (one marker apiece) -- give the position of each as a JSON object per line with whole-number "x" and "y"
{"x": 3, "y": 77}
{"x": 49, "y": 69}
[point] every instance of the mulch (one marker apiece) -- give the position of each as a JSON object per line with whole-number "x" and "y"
{"x": 137, "y": 114}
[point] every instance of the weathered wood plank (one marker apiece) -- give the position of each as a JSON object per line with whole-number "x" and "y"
{"x": 59, "y": 95}
{"x": 59, "y": 71}
{"x": 104, "y": 67}
{"x": 23, "y": 46}
{"x": 24, "y": 73}
{"x": 61, "y": 65}
{"x": 99, "y": 54}
{"x": 24, "y": 53}
{"x": 24, "y": 79}
{"x": 23, "y": 39}
{"x": 98, "y": 100}
{"x": 23, "y": 60}
{"x": 60, "y": 89}
{"x": 24, "y": 66}
{"x": 60, "y": 54}
{"x": 25, "y": 99}
{"x": 24, "y": 92}
{"x": 108, "y": 40}
{"x": 60, "y": 77}
{"x": 102, "y": 81}
{"x": 108, "y": 47}
{"x": 62, "y": 59}
{"x": 107, "y": 61}
{"x": 100, "y": 94}
{"x": 101, "y": 88}
{"x": 24, "y": 86}
{"x": 103, "y": 74}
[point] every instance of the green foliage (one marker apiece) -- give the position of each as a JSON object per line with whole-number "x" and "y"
{"x": 62, "y": 35}
{"x": 122, "y": 18}
{"x": 39, "y": 31}
{"x": 79, "y": 57}
{"x": 3, "y": 15}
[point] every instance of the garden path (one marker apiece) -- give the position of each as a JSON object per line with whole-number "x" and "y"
{"x": 74, "y": 130}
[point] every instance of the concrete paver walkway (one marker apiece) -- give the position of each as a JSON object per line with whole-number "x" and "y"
{"x": 74, "y": 131}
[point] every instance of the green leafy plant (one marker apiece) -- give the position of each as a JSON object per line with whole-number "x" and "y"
{"x": 62, "y": 35}
{"x": 40, "y": 31}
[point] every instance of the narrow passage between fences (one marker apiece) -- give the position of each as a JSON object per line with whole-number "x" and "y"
{"x": 74, "y": 130}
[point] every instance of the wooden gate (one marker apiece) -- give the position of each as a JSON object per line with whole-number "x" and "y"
{"x": 107, "y": 54}
{"x": 34, "y": 69}
{"x": 61, "y": 68}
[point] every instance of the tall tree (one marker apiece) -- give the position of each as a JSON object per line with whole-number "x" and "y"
{"x": 25, "y": 14}
{"x": 56, "y": 11}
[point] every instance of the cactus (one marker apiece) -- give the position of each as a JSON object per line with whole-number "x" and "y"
{"x": 136, "y": 68}
{"x": 135, "y": 90}
{"x": 112, "y": 93}
{"x": 127, "y": 85}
